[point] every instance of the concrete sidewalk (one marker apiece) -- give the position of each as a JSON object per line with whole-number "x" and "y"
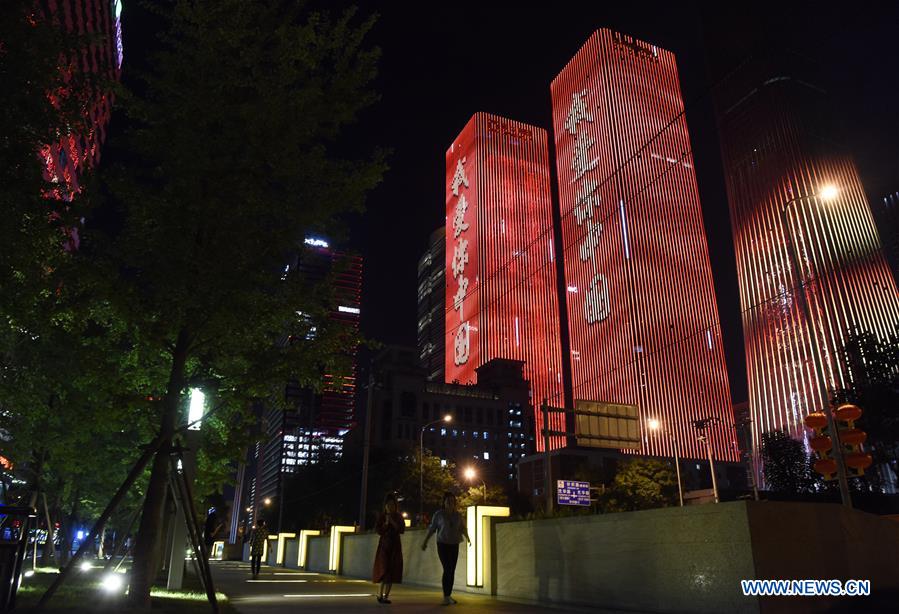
{"x": 285, "y": 590}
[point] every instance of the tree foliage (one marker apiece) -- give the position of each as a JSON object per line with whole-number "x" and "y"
{"x": 640, "y": 484}
{"x": 237, "y": 149}
{"x": 786, "y": 465}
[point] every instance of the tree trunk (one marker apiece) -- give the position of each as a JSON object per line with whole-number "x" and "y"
{"x": 149, "y": 544}
{"x": 68, "y": 529}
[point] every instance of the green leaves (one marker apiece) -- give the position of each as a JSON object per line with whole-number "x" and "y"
{"x": 786, "y": 465}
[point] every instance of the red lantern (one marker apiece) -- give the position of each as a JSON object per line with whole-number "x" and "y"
{"x": 848, "y": 412}
{"x": 816, "y": 420}
{"x": 858, "y": 461}
{"x": 826, "y": 467}
{"x": 852, "y": 437}
{"x": 821, "y": 443}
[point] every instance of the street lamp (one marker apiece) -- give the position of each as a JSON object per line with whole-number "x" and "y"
{"x": 655, "y": 425}
{"x": 826, "y": 193}
{"x": 421, "y": 463}
{"x": 472, "y": 475}
{"x": 267, "y": 501}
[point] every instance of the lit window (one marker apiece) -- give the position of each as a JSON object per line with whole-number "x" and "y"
{"x": 443, "y": 432}
{"x": 486, "y": 455}
{"x": 443, "y": 462}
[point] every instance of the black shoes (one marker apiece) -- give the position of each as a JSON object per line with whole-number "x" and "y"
{"x": 384, "y": 600}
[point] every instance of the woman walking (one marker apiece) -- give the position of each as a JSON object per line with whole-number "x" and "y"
{"x": 388, "y": 567}
{"x": 450, "y": 529}
{"x": 257, "y": 546}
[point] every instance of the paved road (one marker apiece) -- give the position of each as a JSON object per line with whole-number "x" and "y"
{"x": 285, "y": 590}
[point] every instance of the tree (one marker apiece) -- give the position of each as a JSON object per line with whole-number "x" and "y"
{"x": 641, "y": 484}
{"x": 237, "y": 148}
{"x": 474, "y": 495}
{"x": 785, "y": 463}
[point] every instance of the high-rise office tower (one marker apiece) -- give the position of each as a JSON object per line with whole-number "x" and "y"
{"x": 790, "y": 188}
{"x": 886, "y": 215}
{"x": 99, "y": 21}
{"x": 431, "y": 303}
{"x": 642, "y": 316}
{"x": 333, "y": 413}
{"x": 310, "y": 426}
{"x": 501, "y": 296}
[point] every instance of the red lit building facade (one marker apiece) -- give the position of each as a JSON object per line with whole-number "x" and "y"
{"x": 642, "y": 313}
{"x": 501, "y": 295}
{"x": 101, "y": 58}
{"x": 776, "y": 142}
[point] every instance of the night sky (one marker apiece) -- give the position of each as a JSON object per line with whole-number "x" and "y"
{"x": 442, "y": 62}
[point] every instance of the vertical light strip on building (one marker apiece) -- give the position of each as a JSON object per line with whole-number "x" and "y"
{"x": 641, "y": 302}
{"x": 501, "y": 297}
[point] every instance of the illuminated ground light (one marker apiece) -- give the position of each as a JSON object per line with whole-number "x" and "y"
{"x": 113, "y": 582}
{"x": 305, "y": 534}
{"x": 480, "y": 531}
{"x": 86, "y": 566}
{"x": 333, "y": 595}
{"x": 28, "y": 573}
{"x": 282, "y": 544}
{"x": 334, "y": 550}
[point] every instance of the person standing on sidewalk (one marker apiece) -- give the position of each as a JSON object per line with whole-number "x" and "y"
{"x": 257, "y": 546}
{"x": 388, "y": 566}
{"x": 450, "y": 528}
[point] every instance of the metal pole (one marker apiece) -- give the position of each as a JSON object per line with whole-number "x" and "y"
{"x": 813, "y": 346}
{"x": 366, "y": 445}
{"x": 547, "y": 460}
{"x": 752, "y": 464}
{"x": 708, "y": 445}
{"x": 680, "y": 488}
{"x": 421, "y": 473}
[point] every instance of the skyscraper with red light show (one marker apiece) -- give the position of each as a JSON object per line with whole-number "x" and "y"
{"x": 99, "y": 21}
{"x": 642, "y": 317}
{"x": 501, "y": 296}
{"x": 791, "y": 188}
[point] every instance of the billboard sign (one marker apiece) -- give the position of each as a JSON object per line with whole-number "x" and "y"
{"x": 606, "y": 425}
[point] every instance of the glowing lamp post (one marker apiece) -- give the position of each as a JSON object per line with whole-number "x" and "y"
{"x": 472, "y": 476}
{"x": 655, "y": 425}
{"x": 421, "y": 463}
{"x": 826, "y": 193}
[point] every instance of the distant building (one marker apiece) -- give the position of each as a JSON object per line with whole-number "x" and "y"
{"x": 886, "y": 215}
{"x": 492, "y": 424}
{"x": 789, "y": 183}
{"x": 431, "y": 306}
{"x": 306, "y": 427}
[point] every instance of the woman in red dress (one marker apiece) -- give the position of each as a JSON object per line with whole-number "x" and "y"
{"x": 388, "y": 567}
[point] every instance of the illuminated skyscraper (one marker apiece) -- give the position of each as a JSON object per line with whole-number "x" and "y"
{"x": 642, "y": 316}
{"x": 431, "y": 303}
{"x": 66, "y": 159}
{"x": 501, "y": 296}
{"x": 886, "y": 214}
{"x": 787, "y": 183}
{"x": 309, "y": 425}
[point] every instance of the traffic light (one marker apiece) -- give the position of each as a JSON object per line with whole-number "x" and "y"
{"x": 856, "y": 459}
{"x": 822, "y": 444}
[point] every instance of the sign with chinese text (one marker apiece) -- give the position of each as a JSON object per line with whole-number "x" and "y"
{"x": 571, "y": 492}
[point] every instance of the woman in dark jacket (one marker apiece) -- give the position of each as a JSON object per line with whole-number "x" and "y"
{"x": 388, "y": 567}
